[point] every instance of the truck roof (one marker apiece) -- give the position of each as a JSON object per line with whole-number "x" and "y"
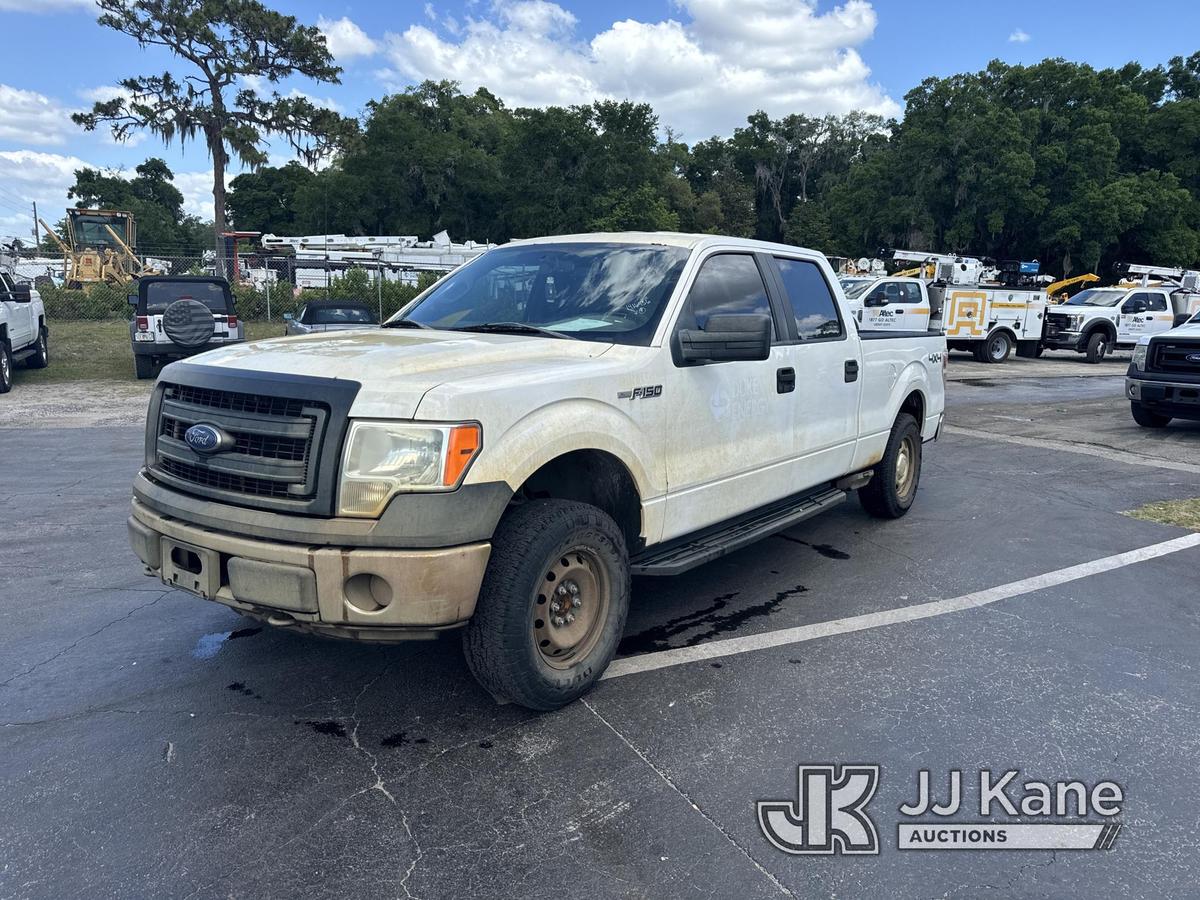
{"x": 667, "y": 238}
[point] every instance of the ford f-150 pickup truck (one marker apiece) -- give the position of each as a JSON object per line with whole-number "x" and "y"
{"x": 1163, "y": 381}
{"x": 541, "y": 424}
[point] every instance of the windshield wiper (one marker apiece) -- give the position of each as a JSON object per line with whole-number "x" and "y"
{"x": 516, "y": 328}
{"x": 404, "y": 323}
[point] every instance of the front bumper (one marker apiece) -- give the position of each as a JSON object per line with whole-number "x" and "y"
{"x": 367, "y": 594}
{"x": 1056, "y": 339}
{"x": 1179, "y": 399}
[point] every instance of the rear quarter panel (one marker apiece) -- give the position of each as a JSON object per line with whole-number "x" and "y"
{"x": 893, "y": 369}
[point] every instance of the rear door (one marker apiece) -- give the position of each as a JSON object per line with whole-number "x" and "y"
{"x": 828, "y": 377}
{"x": 731, "y": 423}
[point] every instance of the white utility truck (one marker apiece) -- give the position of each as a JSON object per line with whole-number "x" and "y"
{"x": 990, "y": 318}
{"x": 24, "y": 334}
{"x": 1100, "y": 319}
{"x": 508, "y": 449}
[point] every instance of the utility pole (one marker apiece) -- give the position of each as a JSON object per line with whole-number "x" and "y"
{"x": 37, "y": 237}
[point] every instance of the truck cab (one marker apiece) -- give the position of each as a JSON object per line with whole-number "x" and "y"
{"x": 24, "y": 334}
{"x": 889, "y": 304}
{"x": 1100, "y": 319}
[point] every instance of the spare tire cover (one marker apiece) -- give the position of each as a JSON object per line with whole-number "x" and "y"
{"x": 189, "y": 323}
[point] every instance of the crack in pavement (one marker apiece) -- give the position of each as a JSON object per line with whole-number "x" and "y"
{"x": 666, "y": 779}
{"x": 76, "y": 643}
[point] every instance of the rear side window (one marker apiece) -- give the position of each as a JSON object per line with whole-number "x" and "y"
{"x": 812, "y": 303}
{"x": 341, "y": 315}
{"x": 161, "y": 294}
{"x": 727, "y": 284}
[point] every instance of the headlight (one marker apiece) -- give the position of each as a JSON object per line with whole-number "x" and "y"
{"x": 1139, "y": 354}
{"x": 1074, "y": 323}
{"x": 384, "y": 458}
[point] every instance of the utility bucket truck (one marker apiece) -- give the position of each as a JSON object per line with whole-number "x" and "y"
{"x": 1100, "y": 319}
{"x": 987, "y": 312}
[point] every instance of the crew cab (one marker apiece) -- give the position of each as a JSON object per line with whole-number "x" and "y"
{"x": 179, "y": 316}
{"x": 889, "y": 304}
{"x": 1163, "y": 380}
{"x": 1098, "y": 320}
{"x": 24, "y": 334}
{"x": 506, "y": 451}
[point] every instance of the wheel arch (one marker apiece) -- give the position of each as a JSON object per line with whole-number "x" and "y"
{"x": 1109, "y": 329}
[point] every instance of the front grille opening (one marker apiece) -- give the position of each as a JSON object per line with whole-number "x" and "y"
{"x": 262, "y": 445}
{"x": 188, "y": 560}
{"x": 222, "y": 481}
{"x": 1173, "y": 357}
{"x": 234, "y": 401}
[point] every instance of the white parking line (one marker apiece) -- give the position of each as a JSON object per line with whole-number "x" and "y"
{"x": 647, "y": 662}
{"x": 1121, "y": 456}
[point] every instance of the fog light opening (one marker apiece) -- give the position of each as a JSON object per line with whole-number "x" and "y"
{"x": 368, "y": 593}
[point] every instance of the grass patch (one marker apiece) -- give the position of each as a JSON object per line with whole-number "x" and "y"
{"x": 100, "y": 350}
{"x": 1183, "y": 513}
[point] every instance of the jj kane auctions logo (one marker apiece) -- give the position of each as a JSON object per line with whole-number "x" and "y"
{"x": 829, "y": 814}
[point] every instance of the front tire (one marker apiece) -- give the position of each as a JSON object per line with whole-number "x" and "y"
{"x": 552, "y": 606}
{"x": 891, "y": 491}
{"x": 6, "y": 368}
{"x": 1147, "y": 418}
{"x": 1097, "y": 347}
{"x": 41, "y": 357}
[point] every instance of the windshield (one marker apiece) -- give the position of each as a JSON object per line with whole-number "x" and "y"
{"x": 90, "y": 231}
{"x": 857, "y": 288}
{"x": 161, "y": 294}
{"x": 598, "y": 292}
{"x": 341, "y": 315}
{"x": 1096, "y": 297}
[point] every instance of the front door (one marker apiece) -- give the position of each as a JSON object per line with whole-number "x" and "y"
{"x": 1142, "y": 313}
{"x": 21, "y": 328}
{"x": 732, "y": 423}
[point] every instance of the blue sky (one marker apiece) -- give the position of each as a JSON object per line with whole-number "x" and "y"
{"x": 703, "y": 64}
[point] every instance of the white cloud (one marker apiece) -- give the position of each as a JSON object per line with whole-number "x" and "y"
{"x": 345, "y": 39}
{"x": 196, "y": 188}
{"x": 35, "y": 176}
{"x": 1019, "y": 37}
{"x": 45, "y": 6}
{"x": 28, "y": 117}
{"x": 702, "y": 76}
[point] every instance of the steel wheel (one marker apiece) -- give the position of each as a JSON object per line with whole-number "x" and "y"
{"x": 906, "y": 466}
{"x": 571, "y": 608}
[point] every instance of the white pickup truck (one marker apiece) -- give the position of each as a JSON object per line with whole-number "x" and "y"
{"x": 24, "y": 334}
{"x": 1098, "y": 320}
{"x": 505, "y": 452}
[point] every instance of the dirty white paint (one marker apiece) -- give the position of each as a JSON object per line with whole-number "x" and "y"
{"x": 650, "y": 661}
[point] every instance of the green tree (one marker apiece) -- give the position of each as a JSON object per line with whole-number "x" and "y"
{"x": 223, "y": 42}
{"x": 266, "y": 200}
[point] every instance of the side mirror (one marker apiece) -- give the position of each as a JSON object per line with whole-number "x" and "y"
{"x": 133, "y": 299}
{"x": 727, "y": 338}
{"x": 22, "y": 292}
{"x": 876, "y": 298}
{"x": 288, "y": 317}
{"x": 1134, "y": 306}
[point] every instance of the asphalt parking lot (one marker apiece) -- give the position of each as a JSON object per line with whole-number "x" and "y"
{"x": 152, "y": 744}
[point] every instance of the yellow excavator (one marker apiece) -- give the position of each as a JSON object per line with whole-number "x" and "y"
{"x": 1057, "y": 291}
{"x": 98, "y": 249}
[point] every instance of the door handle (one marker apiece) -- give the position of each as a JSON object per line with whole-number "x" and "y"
{"x": 851, "y": 370}
{"x": 785, "y": 380}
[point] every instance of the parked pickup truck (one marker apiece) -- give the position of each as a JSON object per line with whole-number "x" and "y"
{"x": 1098, "y": 320}
{"x": 24, "y": 335}
{"x": 1163, "y": 381}
{"x": 541, "y": 424}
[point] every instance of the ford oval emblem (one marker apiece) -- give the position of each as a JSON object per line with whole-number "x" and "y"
{"x": 1193, "y": 357}
{"x": 205, "y": 438}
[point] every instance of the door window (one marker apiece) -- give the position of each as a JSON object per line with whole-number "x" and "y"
{"x": 911, "y": 293}
{"x": 1155, "y": 302}
{"x": 811, "y": 300}
{"x": 727, "y": 284}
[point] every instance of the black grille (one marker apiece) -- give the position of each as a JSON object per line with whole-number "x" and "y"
{"x": 1172, "y": 357}
{"x": 222, "y": 481}
{"x": 262, "y": 445}
{"x": 233, "y": 401}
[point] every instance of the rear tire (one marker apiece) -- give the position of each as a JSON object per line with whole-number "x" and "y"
{"x": 6, "y": 368}
{"x": 1097, "y": 347}
{"x": 143, "y": 367}
{"x": 551, "y": 559}
{"x": 41, "y": 357}
{"x": 997, "y": 347}
{"x": 891, "y": 491}
{"x": 1147, "y": 418}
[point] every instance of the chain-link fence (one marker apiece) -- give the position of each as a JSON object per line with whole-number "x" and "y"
{"x": 265, "y": 287}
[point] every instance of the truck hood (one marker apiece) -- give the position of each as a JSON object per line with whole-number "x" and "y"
{"x": 396, "y": 367}
{"x": 1190, "y": 330}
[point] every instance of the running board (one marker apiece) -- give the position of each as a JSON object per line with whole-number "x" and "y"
{"x": 688, "y": 552}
